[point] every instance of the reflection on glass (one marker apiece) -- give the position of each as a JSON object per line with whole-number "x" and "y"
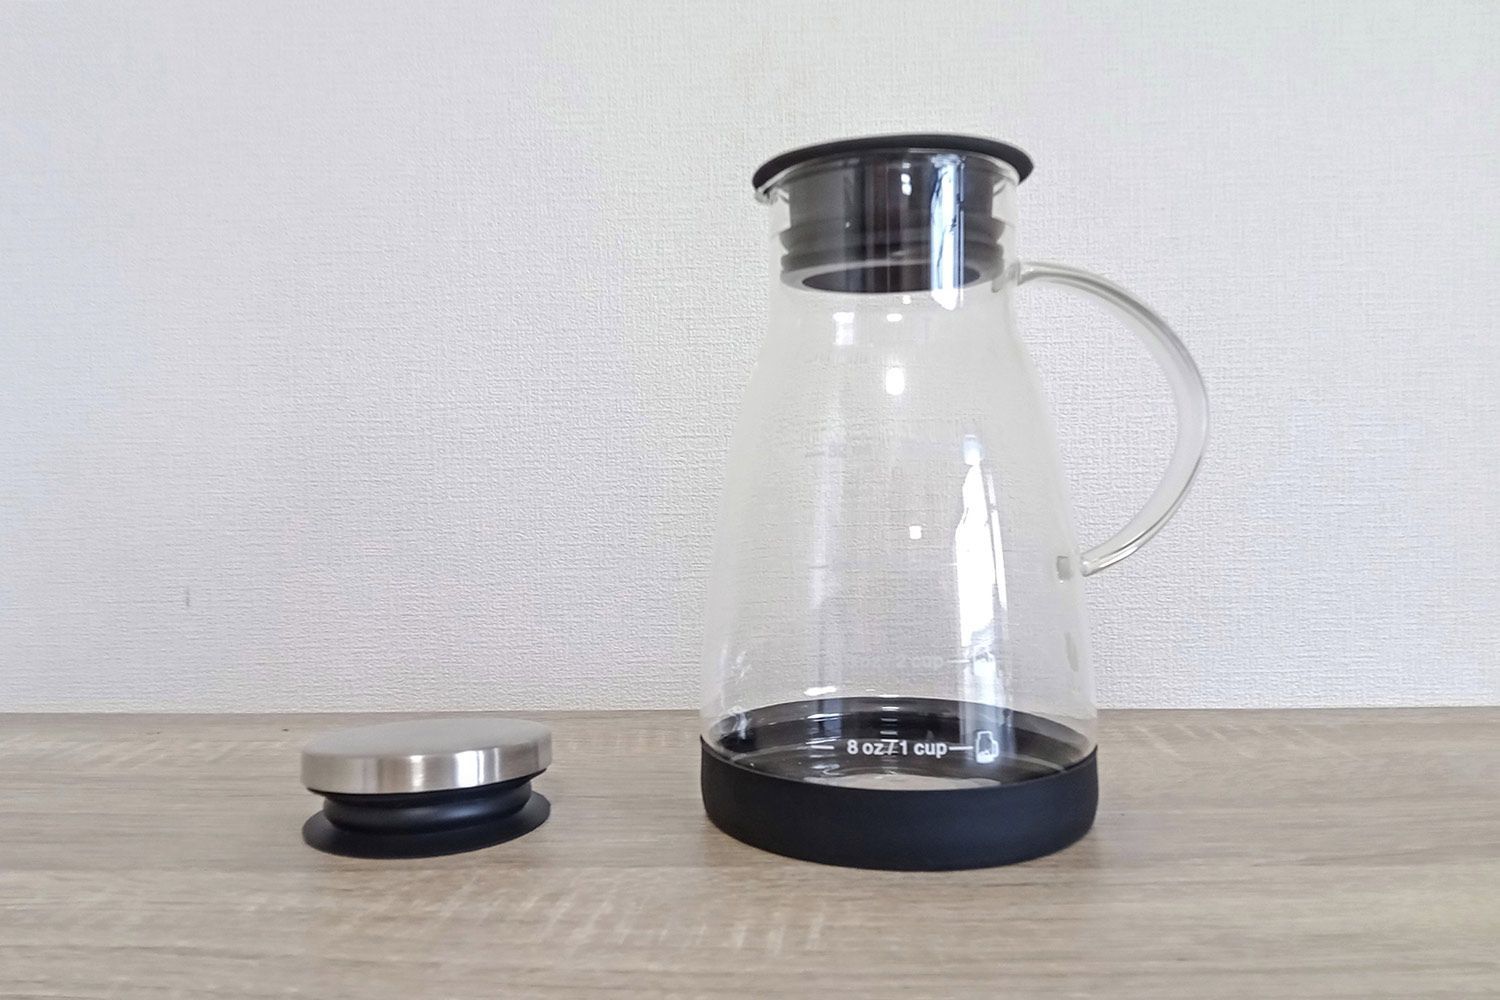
{"x": 980, "y": 570}
{"x": 945, "y": 235}
{"x": 843, "y": 328}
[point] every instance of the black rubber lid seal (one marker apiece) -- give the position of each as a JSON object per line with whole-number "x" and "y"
{"x": 1004, "y": 152}
{"x": 426, "y": 824}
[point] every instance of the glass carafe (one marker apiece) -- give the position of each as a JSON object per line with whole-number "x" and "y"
{"x": 896, "y": 664}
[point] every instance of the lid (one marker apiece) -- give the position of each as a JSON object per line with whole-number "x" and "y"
{"x": 426, "y": 755}
{"x": 930, "y": 141}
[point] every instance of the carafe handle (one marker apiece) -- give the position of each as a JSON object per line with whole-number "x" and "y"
{"x": 1187, "y": 390}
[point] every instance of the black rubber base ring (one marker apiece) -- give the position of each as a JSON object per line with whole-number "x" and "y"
{"x": 321, "y": 833}
{"x": 901, "y": 830}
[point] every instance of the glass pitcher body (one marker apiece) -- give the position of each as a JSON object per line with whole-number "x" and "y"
{"x": 896, "y": 636}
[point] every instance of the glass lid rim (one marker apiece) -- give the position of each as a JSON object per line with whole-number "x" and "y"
{"x": 934, "y": 142}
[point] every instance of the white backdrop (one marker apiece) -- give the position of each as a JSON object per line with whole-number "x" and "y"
{"x": 385, "y": 357}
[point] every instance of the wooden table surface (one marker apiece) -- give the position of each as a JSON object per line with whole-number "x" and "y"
{"x": 1350, "y": 854}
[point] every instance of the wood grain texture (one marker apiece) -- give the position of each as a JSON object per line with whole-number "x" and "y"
{"x": 1329, "y": 854}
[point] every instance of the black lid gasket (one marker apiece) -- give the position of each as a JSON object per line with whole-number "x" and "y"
{"x": 426, "y": 824}
{"x": 1004, "y": 152}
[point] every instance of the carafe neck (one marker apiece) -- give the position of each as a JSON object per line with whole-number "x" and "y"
{"x": 898, "y": 220}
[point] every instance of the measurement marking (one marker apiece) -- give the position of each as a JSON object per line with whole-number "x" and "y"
{"x": 896, "y": 748}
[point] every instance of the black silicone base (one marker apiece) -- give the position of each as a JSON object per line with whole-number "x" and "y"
{"x": 427, "y": 824}
{"x": 914, "y": 830}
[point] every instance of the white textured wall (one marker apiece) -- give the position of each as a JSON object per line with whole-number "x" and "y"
{"x": 385, "y": 357}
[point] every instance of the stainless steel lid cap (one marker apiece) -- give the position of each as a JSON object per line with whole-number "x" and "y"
{"x": 425, "y": 755}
